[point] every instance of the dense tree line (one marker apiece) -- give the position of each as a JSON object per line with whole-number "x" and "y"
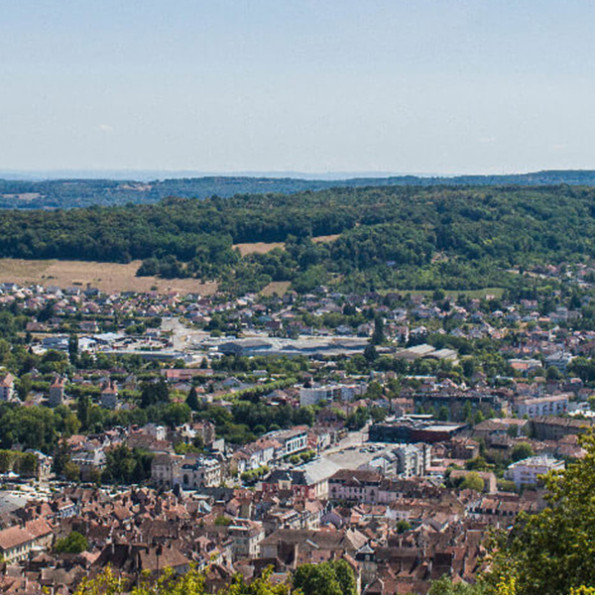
{"x": 454, "y": 238}
{"x": 69, "y": 193}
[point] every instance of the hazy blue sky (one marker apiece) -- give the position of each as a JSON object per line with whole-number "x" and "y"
{"x": 441, "y": 86}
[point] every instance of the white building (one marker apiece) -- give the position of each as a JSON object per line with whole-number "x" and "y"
{"x": 291, "y": 441}
{"x": 413, "y": 459}
{"x": 202, "y": 472}
{"x": 330, "y": 392}
{"x": 554, "y": 405}
{"x": 255, "y": 455}
{"x": 527, "y": 471}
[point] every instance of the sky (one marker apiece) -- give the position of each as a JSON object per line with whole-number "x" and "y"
{"x": 314, "y": 86}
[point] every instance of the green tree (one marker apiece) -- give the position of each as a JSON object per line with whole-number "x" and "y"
{"x": 72, "y": 471}
{"x": 328, "y": 578}
{"x": 74, "y": 543}
{"x": 192, "y": 399}
{"x": 473, "y": 481}
{"x": 83, "y": 411}
{"x": 154, "y": 392}
{"x": 73, "y": 349}
{"x": 24, "y": 386}
{"x": 189, "y": 583}
{"x": 378, "y": 334}
{"x": 370, "y": 353}
{"x": 553, "y": 551}
{"x": 520, "y": 451}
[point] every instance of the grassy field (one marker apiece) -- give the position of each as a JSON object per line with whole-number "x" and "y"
{"x": 258, "y": 247}
{"x": 322, "y": 239}
{"x": 106, "y": 276}
{"x": 495, "y": 292}
{"x": 264, "y": 247}
{"x": 278, "y": 287}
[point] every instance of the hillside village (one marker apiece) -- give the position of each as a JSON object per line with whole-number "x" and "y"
{"x": 391, "y": 430}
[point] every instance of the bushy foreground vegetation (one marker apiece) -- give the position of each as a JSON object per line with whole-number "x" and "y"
{"x": 549, "y": 553}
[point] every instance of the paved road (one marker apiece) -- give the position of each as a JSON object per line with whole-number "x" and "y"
{"x": 182, "y": 336}
{"x": 348, "y": 452}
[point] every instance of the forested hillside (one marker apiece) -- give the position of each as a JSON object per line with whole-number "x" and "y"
{"x": 389, "y": 237}
{"x": 70, "y": 193}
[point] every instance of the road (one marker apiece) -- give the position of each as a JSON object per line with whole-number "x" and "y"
{"x": 182, "y": 337}
{"x": 348, "y": 452}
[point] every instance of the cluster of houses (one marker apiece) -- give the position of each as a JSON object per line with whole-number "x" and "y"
{"x": 405, "y": 499}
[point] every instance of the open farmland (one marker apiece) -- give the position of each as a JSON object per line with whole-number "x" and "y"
{"x": 264, "y": 247}
{"x": 106, "y": 276}
{"x": 323, "y": 239}
{"x": 276, "y": 287}
{"x": 258, "y": 247}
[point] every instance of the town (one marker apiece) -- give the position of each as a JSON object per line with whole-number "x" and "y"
{"x": 392, "y": 431}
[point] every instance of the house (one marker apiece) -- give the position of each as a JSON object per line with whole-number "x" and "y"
{"x": 134, "y": 559}
{"x": 7, "y": 387}
{"x": 57, "y": 391}
{"x": 109, "y": 395}
{"x": 307, "y": 481}
{"x": 555, "y": 428}
{"x": 246, "y": 537}
{"x": 201, "y": 472}
{"x": 292, "y": 547}
{"x": 17, "y": 542}
{"x": 90, "y": 462}
{"x": 355, "y": 485}
{"x": 162, "y": 469}
{"x": 464, "y": 448}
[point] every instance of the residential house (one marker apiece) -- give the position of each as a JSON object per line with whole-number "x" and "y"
{"x": 57, "y": 391}
{"x": 16, "y": 543}
{"x": 109, "y": 395}
{"x": 355, "y": 485}
{"x": 7, "y": 387}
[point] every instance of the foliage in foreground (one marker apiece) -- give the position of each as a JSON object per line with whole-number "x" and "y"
{"x": 328, "y": 578}
{"x": 190, "y": 583}
{"x": 549, "y": 553}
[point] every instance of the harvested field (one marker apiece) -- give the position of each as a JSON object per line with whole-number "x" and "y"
{"x": 264, "y": 247}
{"x": 258, "y": 247}
{"x": 322, "y": 239}
{"x": 107, "y": 276}
{"x": 278, "y": 287}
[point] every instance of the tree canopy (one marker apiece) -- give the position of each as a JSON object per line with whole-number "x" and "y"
{"x": 387, "y": 236}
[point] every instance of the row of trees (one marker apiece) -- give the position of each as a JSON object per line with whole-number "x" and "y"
{"x": 389, "y": 236}
{"x": 327, "y": 578}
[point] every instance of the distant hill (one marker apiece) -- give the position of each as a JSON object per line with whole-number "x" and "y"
{"x": 351, "y": 239}
{"x": 69, "y": 193}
